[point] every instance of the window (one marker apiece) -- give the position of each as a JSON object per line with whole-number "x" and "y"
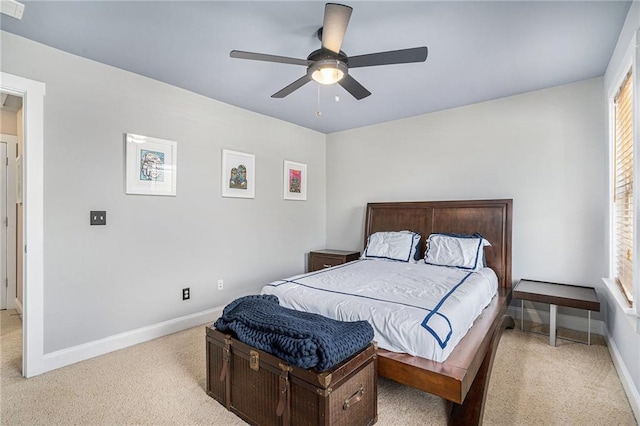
{"x": 623, "y": 188}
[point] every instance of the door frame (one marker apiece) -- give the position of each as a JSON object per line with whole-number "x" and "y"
{"x": 4, "y": 213}
{"x": 32, "y": 93}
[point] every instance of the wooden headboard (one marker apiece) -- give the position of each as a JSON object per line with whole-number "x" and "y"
{"x": 491, "y": 218}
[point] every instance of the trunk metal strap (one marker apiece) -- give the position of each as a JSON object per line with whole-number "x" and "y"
{"x": 225, "y": 363}
{"x": 225, "y": 375}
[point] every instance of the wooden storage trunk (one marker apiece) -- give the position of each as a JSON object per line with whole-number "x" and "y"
{"x": 263, "y": 390}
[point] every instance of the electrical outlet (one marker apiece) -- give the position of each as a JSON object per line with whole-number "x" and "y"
{"x": 220, "y": 284}
{"x": 186, "y": 293}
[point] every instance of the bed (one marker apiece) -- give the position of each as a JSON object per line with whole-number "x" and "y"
{"x": 460, "y": 371}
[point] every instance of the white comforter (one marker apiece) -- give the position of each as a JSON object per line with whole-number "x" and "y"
{"x": 414, "y": 308}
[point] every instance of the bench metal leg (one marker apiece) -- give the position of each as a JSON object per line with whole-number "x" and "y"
{"x": 553, "y": 311}
{"x": 522, "y": 315}
{"x": 589, "y": 333}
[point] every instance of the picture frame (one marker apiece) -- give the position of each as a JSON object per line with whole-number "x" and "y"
{"x": 238, "y": 174}
{"x": 151, "y": 165}
{"x": 295, "y": 181}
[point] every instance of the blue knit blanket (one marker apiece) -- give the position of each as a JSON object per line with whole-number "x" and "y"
{"x": 301, "y": 339}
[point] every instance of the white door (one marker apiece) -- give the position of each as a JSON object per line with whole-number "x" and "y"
{"x": 3, "y": 226}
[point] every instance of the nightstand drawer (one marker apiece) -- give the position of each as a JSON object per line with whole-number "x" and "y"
{"x": 322, "y": 259}
{"x": 319, "y": 262}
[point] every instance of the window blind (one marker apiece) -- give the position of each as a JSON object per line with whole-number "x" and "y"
{"x": 623, "y": 187}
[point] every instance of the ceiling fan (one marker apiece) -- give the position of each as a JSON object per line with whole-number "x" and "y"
{"x": 329, "y": 64}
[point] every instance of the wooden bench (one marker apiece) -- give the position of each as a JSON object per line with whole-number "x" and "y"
{"x": 555, "y": 295}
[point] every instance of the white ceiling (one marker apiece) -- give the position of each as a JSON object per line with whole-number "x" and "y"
{"x": 478, "y": 50}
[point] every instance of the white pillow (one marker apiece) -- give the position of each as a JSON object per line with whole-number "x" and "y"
{"x": 400, "y": 246}
{"x": 456, "y": 250}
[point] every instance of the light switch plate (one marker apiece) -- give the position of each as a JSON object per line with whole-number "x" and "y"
{"x": 98, "y": 217}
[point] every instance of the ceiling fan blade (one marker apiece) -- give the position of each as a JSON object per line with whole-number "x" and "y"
{"x": 404, "y": 56}
{"x": 336, "y": 19}
{"x": 292, "y": 87}
{"x": 352, "y": 86}
{"x": 269, "y": 58}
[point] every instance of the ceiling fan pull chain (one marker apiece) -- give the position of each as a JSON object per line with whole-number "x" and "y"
{"x": 318, "y": 112}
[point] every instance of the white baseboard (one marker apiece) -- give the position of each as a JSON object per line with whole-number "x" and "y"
{"x": 88, "y": 350}
{"x": 18, "y": 306}
{"x": 625, "y": 377}
{"x": 569, "y": 322}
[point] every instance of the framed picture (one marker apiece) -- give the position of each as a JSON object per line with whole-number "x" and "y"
{"x": 295, "y": 181}
{"x": 151, "y": 165}
{"x": 238, "y": 174}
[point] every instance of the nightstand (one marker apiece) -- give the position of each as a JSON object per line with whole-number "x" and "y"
{"x": 321, "y": 259}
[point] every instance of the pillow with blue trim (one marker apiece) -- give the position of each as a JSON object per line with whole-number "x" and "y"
{"x": 456, "y": 250}
{"x": 400, "y": 246}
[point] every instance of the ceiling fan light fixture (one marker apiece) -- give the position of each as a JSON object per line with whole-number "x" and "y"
{"x": 328, "y": 71}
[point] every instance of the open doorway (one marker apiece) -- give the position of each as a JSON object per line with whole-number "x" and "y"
{"x": 10, "y": 202}
{"x": 32, "y": 183}
{"x": 11, "y": 220}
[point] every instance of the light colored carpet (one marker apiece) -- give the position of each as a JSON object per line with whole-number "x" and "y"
{"x": 162, "y": 382}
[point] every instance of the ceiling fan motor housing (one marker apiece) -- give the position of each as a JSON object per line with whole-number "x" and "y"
{"x": 320, "y": 54}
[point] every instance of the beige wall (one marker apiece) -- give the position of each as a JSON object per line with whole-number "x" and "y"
{"x": 8, "y": 122}
{"x": 19, "y": 215}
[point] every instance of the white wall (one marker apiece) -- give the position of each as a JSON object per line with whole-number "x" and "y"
{"x": 103, "y": 280}
{"x": 542, "y": 149}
